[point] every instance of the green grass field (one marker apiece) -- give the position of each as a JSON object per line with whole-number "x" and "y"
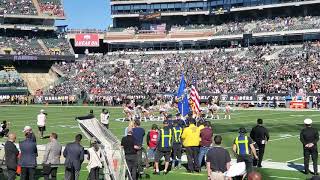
{"x": 284, "y": 127}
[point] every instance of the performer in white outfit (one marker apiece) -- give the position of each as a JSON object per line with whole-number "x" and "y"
{"x": 41, "y": 122}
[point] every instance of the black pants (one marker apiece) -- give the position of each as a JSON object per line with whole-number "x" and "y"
{"x": 11, "y": 174}
{"x": 176, "y": 151}
{"x": 49, "y": 171}
{"x": 261, "y": 153}
{"x": 132, "y": 165}
{"x": 94, "y": 174}
{"x": 27, "y": 173}
{"x": 4, "y": 132}
{"x": 247, "y": 159}
{"x": 106, "y": 125}
{"x": 314, "y": 155}
{"x": 192, "y": 156}
{"x": 139, "y": 161}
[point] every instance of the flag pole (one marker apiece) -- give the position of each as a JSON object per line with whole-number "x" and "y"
{"x": 182, "y": 111}
{"x": 182, "y": 100}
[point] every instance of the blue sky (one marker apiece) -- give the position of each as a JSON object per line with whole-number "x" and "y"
{"x": 90, "y": 14}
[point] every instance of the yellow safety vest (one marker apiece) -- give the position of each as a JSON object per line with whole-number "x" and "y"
{"x": 245, "y": 142}
{"x": 175, "y": 131}
{"x": 163, "y": 136}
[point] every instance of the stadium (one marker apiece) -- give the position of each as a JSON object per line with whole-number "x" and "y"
{"x": 223, "y": 62}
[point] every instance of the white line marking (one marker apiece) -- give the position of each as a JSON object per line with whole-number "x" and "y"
{"x": 295, "y": 159}
{"x": 278, "y": 139}
{"x": 280, "y": 177}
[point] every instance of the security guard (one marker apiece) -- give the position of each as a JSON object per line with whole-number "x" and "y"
{"x": 170, "y": 120}
{"x": 242, "y": 147}
{"x": 309, "y": 137}
{"x": 260, "y": 135}
{"x": 176, "y": 145}
{"x": 180, "y": 121}
{"x": 164, "y": 146}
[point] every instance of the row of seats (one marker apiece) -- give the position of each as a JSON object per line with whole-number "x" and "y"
{"x": 11, "y": 78}
{"x": 27, "y": 7}
{"x": 30, "y": 46}
{"x": 277, "y": 24}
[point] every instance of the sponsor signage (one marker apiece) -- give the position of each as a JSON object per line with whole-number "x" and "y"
{"x": 150, "y": 16}
{"x": 87, "y": 40}
{"x": 55, "y": 99}
{"x": 37, "y": 57}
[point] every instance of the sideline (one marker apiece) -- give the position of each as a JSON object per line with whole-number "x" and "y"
{"x": 235, "y": 108}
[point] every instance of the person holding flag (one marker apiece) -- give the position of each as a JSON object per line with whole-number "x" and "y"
{"x": 195, "y": 99}
{"x": 182, "y": 98}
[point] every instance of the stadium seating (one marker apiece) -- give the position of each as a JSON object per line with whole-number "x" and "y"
{"x": 257, "y": 69}
{"x": 18, "y": 7}
{"x": 57, "y": 46}
{"x": 51, "y": 7}
{"x": 10, "y": 78}
{"x": 256, "y": 26}
{"x": 25, "y": 45}
{"x": 22, "y": 45}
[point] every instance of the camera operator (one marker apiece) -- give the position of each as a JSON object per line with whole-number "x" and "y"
{"x": 4, "y": 128}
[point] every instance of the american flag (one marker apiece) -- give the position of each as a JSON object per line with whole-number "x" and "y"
{"x": 195, "y": 96}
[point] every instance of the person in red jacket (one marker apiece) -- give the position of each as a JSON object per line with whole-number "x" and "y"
{"x": 152, "y": 138}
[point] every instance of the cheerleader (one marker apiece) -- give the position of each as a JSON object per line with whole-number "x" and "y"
{"x": 128, "y": 111}
{"x": 227, "y": 112}
{"x": 210, "y": 110}
{"x": 215, "y": 110}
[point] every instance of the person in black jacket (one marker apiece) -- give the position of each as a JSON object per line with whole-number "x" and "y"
{"x": 260, "y": 135}
{"x": 28, "y": 159}
{"x": 11, "y": 155}
{"x": 309, "y": 137}
{"x": 130, "y": 150}
{"x": 4, "y": 128}
{"x": 74, "y": 154}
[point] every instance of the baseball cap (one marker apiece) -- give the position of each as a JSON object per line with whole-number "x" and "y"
{"x": 307, "y": 121}
{"x": 26, "y": 128}
{"x": 94, "y": 140}
{"x": 154, "y": 126}
{"x": 42, "y": 110}
{"x": 192, "y": 120}
{"x": 165, "y": 122}
{"x": 178, "y": 114}
{"x": 242, "y": 130}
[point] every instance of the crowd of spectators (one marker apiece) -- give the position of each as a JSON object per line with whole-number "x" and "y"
{"x": 18, "y": 7}
{"x": 60, "y": 44}
{"x": 257, "y": 26}
{"x": 26, "y": 7}
{"x": 22, "y": 45}
{"x": 240, "y": 70}
{"x": 11, "y": 78}
{"x": 52, "y": 7}
{"x": 29, "y": 45}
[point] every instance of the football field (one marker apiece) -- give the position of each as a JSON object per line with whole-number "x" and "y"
{"x": 284, "y": 148}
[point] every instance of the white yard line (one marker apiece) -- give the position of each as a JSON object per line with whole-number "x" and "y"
{"x": 281, "y": 177}
{"x": 278, "y": 139}
{"x": 296, "y": 159}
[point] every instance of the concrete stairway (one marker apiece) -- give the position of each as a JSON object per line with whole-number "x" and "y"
{"x": 43, "y": 46}
{"x": 37, "y": 6}
{"x": 37, "y": 81}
